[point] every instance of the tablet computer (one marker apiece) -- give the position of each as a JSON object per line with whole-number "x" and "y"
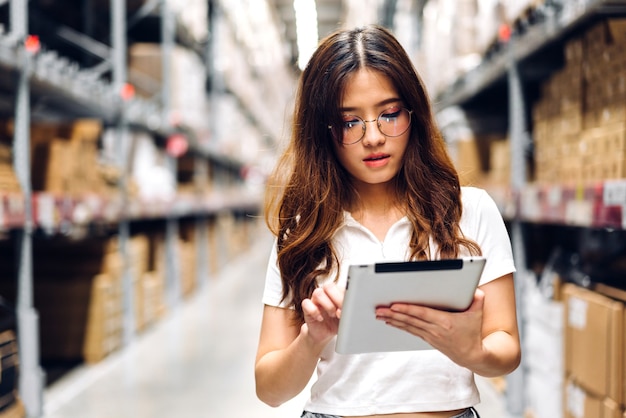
{"x": 443, "y": 284}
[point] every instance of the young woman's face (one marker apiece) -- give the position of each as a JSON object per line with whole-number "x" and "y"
{"x": 376, "y": 158}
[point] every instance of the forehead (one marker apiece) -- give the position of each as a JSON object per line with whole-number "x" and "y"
{"x": 366, "y": 88}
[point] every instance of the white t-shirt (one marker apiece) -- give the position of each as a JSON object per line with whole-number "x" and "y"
{"x": 399, "y": 382}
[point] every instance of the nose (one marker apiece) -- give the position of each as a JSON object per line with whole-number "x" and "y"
{"x": 373, "y": 135}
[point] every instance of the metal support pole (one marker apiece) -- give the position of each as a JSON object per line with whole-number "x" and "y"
{"x": 118, "y": 41}
{"x": 32, "y": 377}
{"x": 201, "y": 175}
{"x": 18, "y": 18}
{"x": 172, "y": 269}
{"x": 202, "y": 251}
{"x": 515, "y": 397}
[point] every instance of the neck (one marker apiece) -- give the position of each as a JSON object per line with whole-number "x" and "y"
{"x": 376, "y": 200}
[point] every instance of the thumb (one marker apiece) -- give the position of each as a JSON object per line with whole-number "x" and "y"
{"x": 478, "y": 301}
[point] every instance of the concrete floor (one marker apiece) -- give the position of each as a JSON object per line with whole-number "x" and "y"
{"x": 195, "y": 363}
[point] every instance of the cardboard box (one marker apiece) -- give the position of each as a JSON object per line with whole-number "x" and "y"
{"x": 580, "y": 404}
{"x": 594, "y": 352}
{"x": 611, "y": 409}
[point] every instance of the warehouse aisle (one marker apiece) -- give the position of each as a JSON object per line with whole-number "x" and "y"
{"x": 195, "y": 363}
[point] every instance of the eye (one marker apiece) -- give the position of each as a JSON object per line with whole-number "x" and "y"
{"x": 351, "y": 123}
{"x": 391, "y": 113}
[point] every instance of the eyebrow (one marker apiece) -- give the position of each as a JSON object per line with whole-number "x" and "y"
{"x": 381, "y": 103}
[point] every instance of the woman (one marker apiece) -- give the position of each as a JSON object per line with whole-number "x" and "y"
{"x": 366, "y": 178}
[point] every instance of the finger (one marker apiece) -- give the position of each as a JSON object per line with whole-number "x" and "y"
{"x": 324, "y": 303}
{"x": 401, "y": 319}
{"x": 311, "y": 311}
{"x": 421, "y": 313}
{"x": 335, "y": 294}
{"x": 412, "y": 328}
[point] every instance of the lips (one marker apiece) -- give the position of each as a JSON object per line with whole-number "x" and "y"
{"x": 376, "y": 161}
{"x": 375, "y": 157}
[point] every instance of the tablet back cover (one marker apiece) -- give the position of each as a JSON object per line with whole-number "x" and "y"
{"x": 445, "y": 284}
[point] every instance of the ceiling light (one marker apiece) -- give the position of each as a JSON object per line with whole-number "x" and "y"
{"x": 306, "y": 30}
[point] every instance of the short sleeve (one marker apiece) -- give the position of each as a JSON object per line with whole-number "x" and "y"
{"x": 484, "y": 224}
{"x": 273, "y": 292}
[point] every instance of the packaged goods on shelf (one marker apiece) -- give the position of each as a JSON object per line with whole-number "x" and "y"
{"x": 65, "y": 158}
{"x": 581, "y": 404}
{"x": 499, "y": 174}
{"x": 9, "y": 360}
{"x": 152, "y": 178}
{"x": 542, "y": 347}
{"x": 469, "y": 151}
{"x": 580, "y": 119}
{"x": 192, "y": 14}
{"x": 187, "y": 92}
{"x": 255, "y": 70}
{"x": 489, "y": 17}
{"x": 235, "y": 135}
{"x": 78, "y": 293}
{"x": 467, "y": 162}
{"x": 8, "y": 179}
{"x": 150, "y": 299}
{"x": 148, "y": 305}
{"x": 230, "y": 232}
{"x": 104, "y": 328}
{"x": 450, "y": 46}
{"x": 215, "y": 247}
{"x": 594, "y": 342}
{"x": 187, "y": 251}
{"x": 14, "y": 411}
{"x": 483, "y": 160}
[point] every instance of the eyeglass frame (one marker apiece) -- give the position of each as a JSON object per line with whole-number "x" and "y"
{"x": 330, "y": 127}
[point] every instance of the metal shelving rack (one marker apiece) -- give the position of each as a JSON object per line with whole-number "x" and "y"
{"x": 529, "y": 57}
{"x": 83, "y": 93}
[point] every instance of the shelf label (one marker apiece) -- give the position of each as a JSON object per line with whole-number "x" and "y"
{"x": 3, "y": 224}
{"x": 614, "y": 193}
{"x": 554, "y": 196}
{"x": 575, "y": 400}
{"x": 46, "y": 211}
{"x": 577, "y": 313}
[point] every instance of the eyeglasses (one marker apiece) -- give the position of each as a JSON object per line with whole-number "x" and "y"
{"x": 391, "y": 122}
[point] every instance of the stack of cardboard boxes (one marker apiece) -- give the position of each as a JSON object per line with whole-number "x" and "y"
{"x": 575, "y": 352}
{"x": 594, "y": 354}
{"x": 65, "y": 158}
{"x": 8, "y": 179}
{"x": 580, "y": 119}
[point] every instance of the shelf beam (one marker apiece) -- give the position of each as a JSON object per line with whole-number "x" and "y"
{"x": 556, "y": 26}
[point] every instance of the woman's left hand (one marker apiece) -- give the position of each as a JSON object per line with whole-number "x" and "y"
{"x": 458, "y": 335}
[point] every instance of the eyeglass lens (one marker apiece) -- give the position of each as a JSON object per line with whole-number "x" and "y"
{"x": 391, "y": 122}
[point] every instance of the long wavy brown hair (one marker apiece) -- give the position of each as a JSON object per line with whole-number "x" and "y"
{"x": 309, "y": 189}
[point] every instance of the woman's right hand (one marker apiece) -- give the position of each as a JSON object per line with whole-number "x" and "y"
{"x": 322, "y": 312}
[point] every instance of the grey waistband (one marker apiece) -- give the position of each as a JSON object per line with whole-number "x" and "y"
{"x": 468, "y": 413}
